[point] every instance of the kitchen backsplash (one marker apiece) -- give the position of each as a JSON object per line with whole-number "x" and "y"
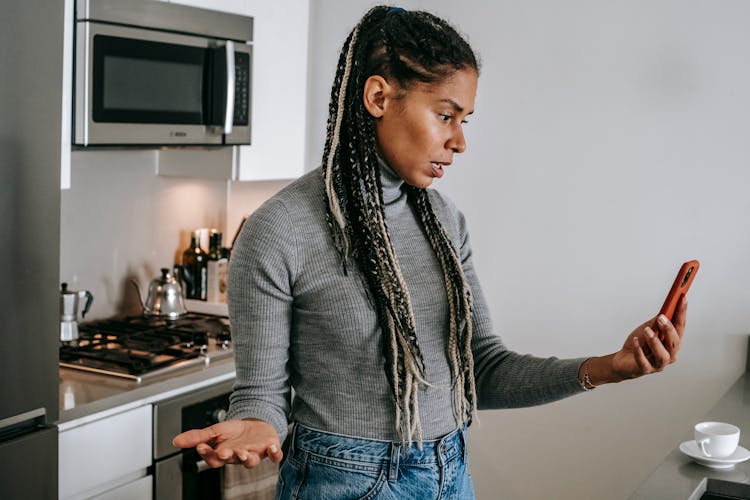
{"x": 120, "y": 221}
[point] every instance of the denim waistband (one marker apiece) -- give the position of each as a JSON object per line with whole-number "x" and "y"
{"x": 373, "y": 451}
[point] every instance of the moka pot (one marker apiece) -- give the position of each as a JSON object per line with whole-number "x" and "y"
{"x": 70, "y": 301}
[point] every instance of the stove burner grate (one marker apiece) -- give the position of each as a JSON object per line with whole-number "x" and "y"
{"x": 134, "y": 347}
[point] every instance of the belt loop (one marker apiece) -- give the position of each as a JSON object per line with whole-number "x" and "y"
{"x": 464, "y": 441}
{"x": 393, "y": 465}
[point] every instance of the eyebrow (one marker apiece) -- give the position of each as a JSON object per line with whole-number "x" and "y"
{"x": 455, "y": 105}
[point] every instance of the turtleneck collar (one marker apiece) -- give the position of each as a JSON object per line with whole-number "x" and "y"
{"x": 391, "y": 182}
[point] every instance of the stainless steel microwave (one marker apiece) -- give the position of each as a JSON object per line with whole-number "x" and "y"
{"x": 157, "y": 73}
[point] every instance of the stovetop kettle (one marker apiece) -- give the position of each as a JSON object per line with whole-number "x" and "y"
{"x": 164, "y": 296}
{"x": 69, "y": 303}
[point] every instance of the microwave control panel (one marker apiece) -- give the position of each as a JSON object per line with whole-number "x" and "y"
{"x": 241, "y": 88}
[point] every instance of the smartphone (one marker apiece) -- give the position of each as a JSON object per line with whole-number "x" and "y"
{"x": 682, "y": 282}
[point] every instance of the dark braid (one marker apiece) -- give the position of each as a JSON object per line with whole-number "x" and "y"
{"x": 408, "y": 48}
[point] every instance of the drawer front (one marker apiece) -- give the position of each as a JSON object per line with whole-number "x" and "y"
{"x": 94, "y": 456}
{"x": 140, "y": 489}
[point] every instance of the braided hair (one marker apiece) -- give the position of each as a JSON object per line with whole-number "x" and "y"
{"x": 408, "y": 48}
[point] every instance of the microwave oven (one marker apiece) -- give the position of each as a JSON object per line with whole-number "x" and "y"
{"x": 151, "y": 73}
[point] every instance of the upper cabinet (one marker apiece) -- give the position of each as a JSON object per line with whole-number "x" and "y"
{"x": 279, "y": 86}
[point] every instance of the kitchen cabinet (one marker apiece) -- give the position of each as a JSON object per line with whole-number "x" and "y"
{"x": 279, "y": 87}
{"x": 107, "y": 457}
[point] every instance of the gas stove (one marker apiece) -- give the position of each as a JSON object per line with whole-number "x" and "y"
{"x": 139, "y": 347}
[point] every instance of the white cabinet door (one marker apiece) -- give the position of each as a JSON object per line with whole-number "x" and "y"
{"x": 279, "y": 86}
{"x": 279, "y": 91}
{"x": 97, "y": 456}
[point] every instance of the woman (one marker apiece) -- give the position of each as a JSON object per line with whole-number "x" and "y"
{"x": 355, "y": 286}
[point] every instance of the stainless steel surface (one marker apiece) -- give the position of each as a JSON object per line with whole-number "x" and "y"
{"x": 157, "y": 22}
{"x": 166, "y": 16}
{"x": 22, "y": 417}
{"x": 164, "y": 297}
{"x": 142, "y": 348}
{"x": 30, "y": 154}
{"x": 229, "y": 108}
{"x": 169, "y": 472}
{"x": 202, "y": 466}
{"x": 88, "y": 132}
{"x": 68, "y": 331}
{"x": 168, "y": 415}
{"x": 177, "y": 367}
{"x": 82, "y": 394}
{"x": 82, "y": 88}
{"x": 29, "y": 466}
{"x": 184, "y": 474}
{"x": 69, "y": 305}
{"x": 31, "y": 107}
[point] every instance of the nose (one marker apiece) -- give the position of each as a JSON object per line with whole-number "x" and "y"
{"x": 457, "y": 141}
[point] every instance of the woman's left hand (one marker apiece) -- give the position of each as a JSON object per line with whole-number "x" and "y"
{"x": 650, "y": 348}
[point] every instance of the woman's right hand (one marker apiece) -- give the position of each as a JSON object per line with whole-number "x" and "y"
{"x": 245, "y": 442}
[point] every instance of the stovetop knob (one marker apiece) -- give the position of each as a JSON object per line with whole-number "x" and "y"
{"x": 219, "y": 415}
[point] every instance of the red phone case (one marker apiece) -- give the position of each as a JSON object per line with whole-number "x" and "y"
{"x": 680, "y": 287}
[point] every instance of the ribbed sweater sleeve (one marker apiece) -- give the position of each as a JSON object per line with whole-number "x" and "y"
{"x": 260, "y": 310}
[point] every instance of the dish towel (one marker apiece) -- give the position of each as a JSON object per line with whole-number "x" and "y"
{"x": 258, "y": 483}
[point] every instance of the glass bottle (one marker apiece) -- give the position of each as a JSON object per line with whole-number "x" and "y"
{"x": 195, "y": 269}
{"x": 217, "y": 270}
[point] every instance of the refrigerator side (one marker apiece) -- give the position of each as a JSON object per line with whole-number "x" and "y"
{"x": 31, "y": 58}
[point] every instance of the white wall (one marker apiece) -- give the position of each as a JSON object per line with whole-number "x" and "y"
{"x": 610, "y": 143}
{"x": 120, "y": 221}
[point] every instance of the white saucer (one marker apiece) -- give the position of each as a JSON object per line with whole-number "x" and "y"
{"x": 691, "y": 449}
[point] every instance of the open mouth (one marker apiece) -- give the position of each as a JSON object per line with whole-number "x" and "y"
{"x": 437, "y": 169}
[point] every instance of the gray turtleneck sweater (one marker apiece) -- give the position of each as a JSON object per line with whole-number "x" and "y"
{"x": 299, "y": 322}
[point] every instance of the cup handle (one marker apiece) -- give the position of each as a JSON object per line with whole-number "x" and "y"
{"x": 702, "y": 444}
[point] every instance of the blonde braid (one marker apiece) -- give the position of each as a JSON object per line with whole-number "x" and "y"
{"x": 404, "y": 47}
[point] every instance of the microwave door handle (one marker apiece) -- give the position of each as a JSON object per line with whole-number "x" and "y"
{"x": 229, "y": 112}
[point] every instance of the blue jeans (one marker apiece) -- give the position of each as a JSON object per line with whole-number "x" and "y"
{"x": 324, "y": 466}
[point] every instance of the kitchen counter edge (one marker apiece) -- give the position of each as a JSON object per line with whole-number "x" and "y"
{"x": 86, "y": 397}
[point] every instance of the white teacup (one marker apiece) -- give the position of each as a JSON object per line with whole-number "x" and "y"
{"x": 717, "y": 439}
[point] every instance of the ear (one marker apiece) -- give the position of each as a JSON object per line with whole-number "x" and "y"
{"x": 376, "y": 95}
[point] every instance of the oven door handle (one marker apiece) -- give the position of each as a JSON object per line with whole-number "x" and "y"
{"x": 198, "y": 467}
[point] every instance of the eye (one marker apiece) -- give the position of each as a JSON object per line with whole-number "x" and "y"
{"x": 445, "y": 118}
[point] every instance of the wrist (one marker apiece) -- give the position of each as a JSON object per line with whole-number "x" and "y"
{"x": 600, "y": 371}
{"x": 584, "y": 376}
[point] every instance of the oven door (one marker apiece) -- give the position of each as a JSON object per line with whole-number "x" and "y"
{"x": 182, "y": 474}
{"x": 186, "y": 476}
{"x": 140, "y": 87}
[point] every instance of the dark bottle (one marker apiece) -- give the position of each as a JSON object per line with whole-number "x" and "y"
{"x": 195, "y": 269}
{"x": 214, "y": 245}
{"x": 217, "y": 270}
